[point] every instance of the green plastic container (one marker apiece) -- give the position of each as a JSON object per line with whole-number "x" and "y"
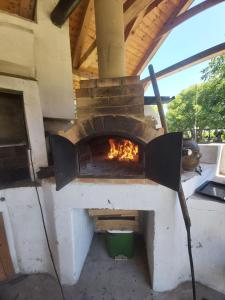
{"x": 120, "y": 243}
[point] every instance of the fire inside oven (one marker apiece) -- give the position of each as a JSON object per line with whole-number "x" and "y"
{"x": 111, "y": 157}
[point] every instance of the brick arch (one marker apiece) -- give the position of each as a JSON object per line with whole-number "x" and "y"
{"x": 143, "y": 129}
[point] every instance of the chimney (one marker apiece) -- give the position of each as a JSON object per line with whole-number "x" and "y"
{"x": 110, "y": 38}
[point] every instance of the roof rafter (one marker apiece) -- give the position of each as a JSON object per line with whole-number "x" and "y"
{"x": 190, "y": 13}
{"x": 131, "y": 27}
{"x": 27, "y": 9}
{"x": 135, "y": 9}
{"x": 183, "y": 5}
{"x": 87, "y": 57}
{"x": 188, "y": 62}
{"x": 89, "y": 7}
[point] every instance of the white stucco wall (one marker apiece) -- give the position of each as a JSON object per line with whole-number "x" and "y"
{"x": 222, "y": 162}
{"x": 214, "y": 153}
{"x": 83, "y": 231}
{"x": 210, "y": 153}
{"x": 208, "y": 241}
{"x": 41, "y": 51}
{"x": 20, "y": 62}
{"x": 24, "y": 230}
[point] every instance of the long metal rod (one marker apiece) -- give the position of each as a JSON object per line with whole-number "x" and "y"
{"x": 181, "y": 195}
{"x": 158, "y": 98}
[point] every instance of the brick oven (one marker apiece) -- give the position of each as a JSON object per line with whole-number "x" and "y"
{"x": 113, "y": 139}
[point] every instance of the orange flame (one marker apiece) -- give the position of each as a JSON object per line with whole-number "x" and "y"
{"x": 123, "y": 150}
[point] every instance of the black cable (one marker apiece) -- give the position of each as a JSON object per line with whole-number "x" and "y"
{"x": 46, "y": 233}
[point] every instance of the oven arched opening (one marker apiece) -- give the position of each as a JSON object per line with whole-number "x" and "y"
{"x": 111, "y": 155}
{"x": 158, "y": 160}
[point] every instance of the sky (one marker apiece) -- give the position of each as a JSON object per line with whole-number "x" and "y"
{"x": 200, "y": 32}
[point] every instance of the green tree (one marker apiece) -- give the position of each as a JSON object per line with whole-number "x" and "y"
{"x": 201, "y": 106}
{"x": 215, "y": 69}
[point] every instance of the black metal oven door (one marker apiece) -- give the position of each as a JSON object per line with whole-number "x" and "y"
{"x": 163, "y": 160}
{"x": 65, "y": 160}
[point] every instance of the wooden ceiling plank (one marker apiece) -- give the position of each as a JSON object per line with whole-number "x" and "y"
{"x": 130, "y": 28}
{"x": 152, "y": 6}
{"x": 183, "y": 5}
{"x": 127, "y": 4}
{"x": 27, "y": 9}
{"x": 135, "y": 9}
{"x": 133, "y": 25}
{"x": 190, "y": 13}
{"x": 189, "y": 62}
{"x": 87, "y": 14}
{"x": 87, "y": 57}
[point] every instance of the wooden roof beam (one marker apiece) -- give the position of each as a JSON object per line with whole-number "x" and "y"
{"x": 190, "y": 13}
{"x": 62, "y": 11}
{"x": 86, "y": 59}
{"x": 135, "y": 9}
{"x": 173, "y": 22}
{"x": 131, "y": 27}
{"x": 89, "y": 7}
{"x": 183, "y": 5}
{"x": 188, "y": 62}
{"x": 86, "y": 74}
{"x": 27, "y": 9}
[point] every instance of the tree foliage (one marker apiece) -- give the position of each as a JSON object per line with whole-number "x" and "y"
{"x": 215, "y": 69}
{"x": 201, "y": 106}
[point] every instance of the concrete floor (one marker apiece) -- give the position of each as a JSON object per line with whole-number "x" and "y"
{"x": 102, "y": 278}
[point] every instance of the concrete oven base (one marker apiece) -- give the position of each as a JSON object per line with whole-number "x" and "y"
{"x": 165, "y": 233}
{"x": 71, "y": 230}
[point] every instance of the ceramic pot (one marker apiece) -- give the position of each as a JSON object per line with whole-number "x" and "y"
{"x": 191, "y": 155}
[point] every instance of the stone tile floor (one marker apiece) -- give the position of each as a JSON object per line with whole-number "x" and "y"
{"x": 102, "y": 278}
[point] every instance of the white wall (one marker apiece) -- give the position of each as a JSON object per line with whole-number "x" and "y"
{"x": 208, "y": 227}
{"x": 70, "y": 231}
{"x": 53, "y": 63}
{"x": 40, "y": 50}
{"x": 83, "y": 231}
{"x": 24, "y": 230}
{"x": 222, "y": 162}
{"x": 210, "y": 153}
{"x": 17, "y": 50}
